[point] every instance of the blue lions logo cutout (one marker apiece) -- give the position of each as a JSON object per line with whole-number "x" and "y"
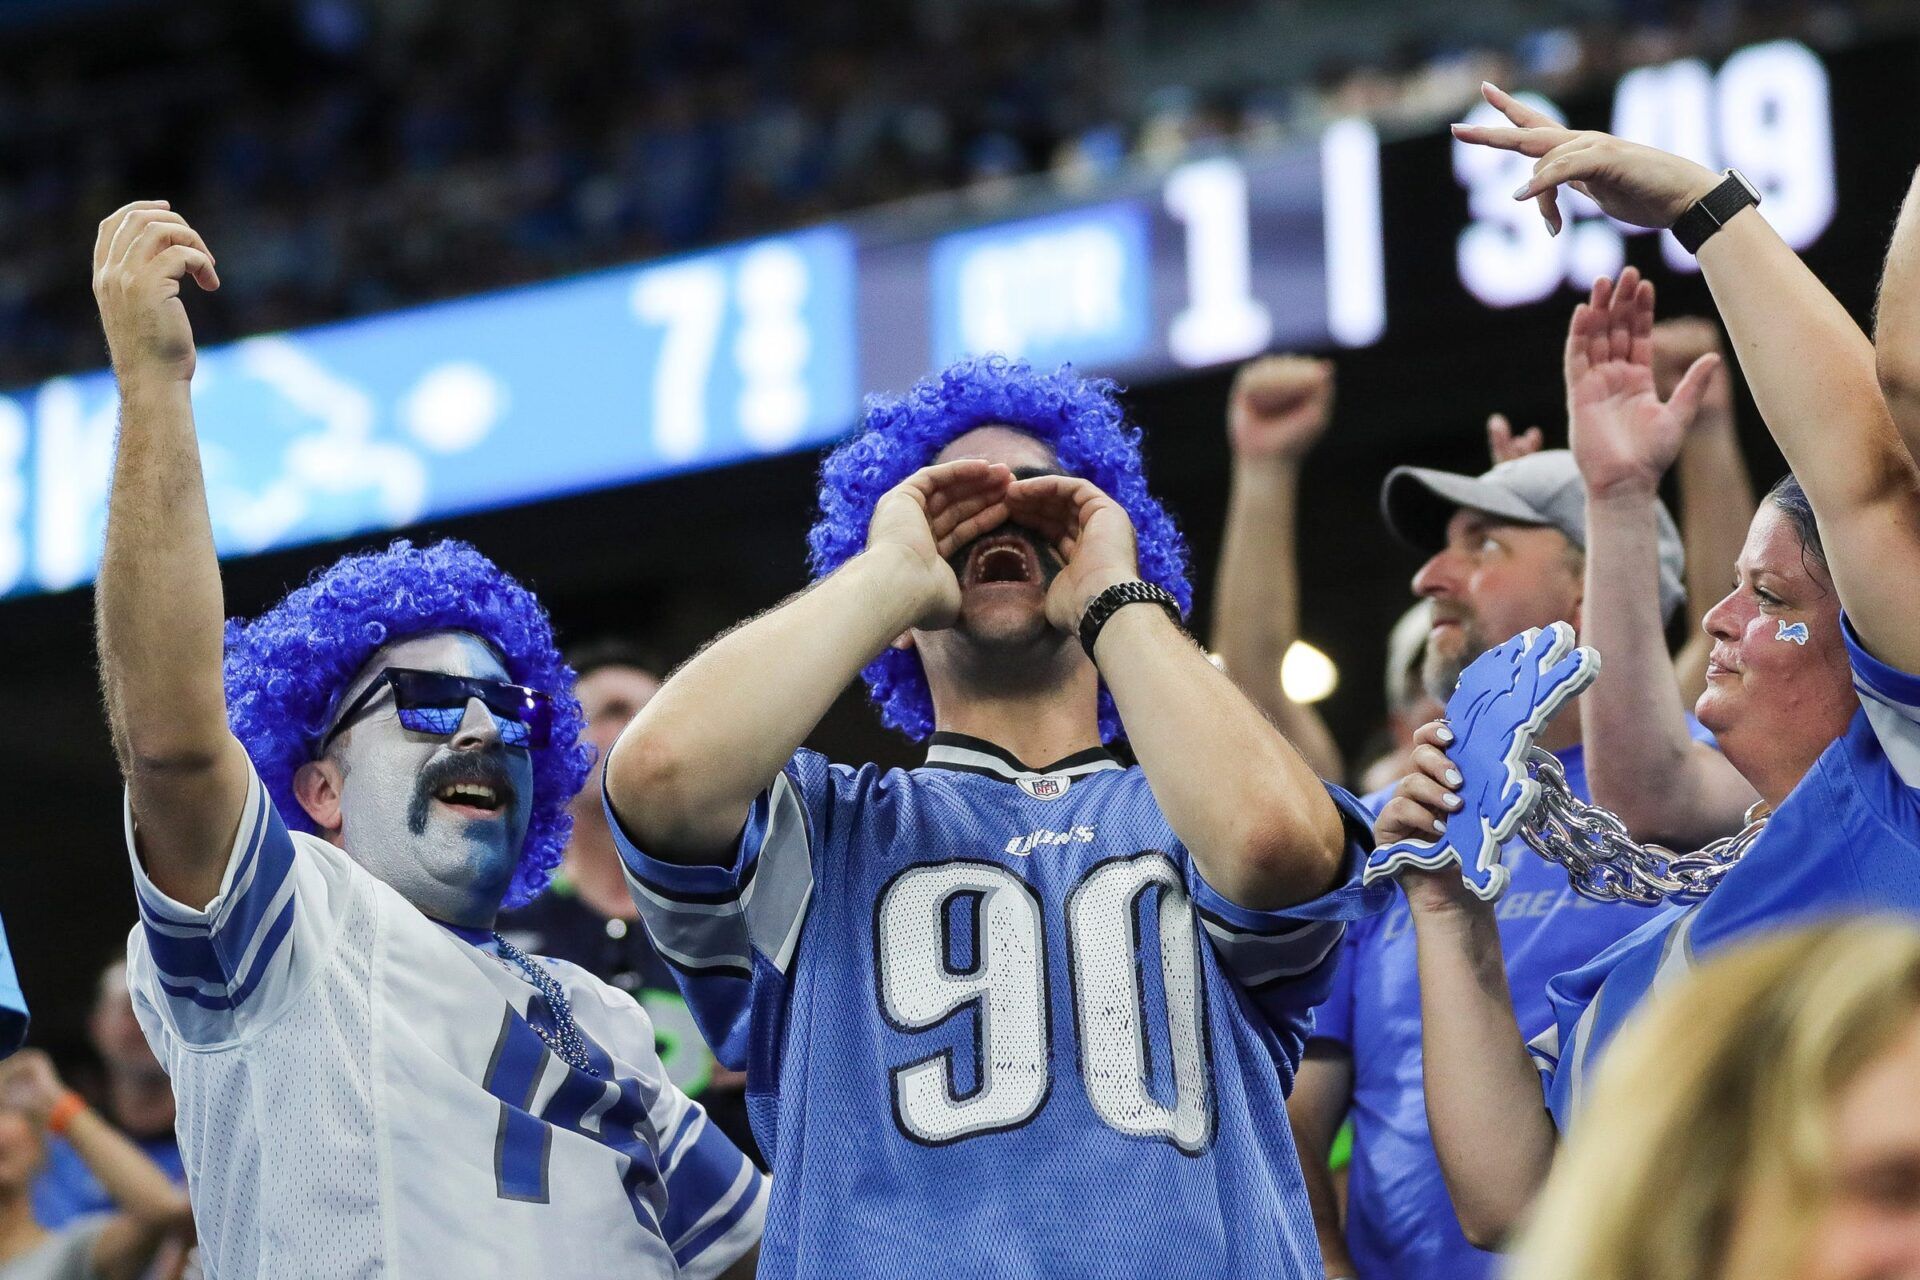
{"x": 1793, "y": 631}
{"x": 1501, "y": 704}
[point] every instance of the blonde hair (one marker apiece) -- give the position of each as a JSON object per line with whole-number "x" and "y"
{"x": 1714, "y": 1107}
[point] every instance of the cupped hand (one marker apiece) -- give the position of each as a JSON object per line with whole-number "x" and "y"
{"x": 1090, "y": 532}
{"x": 930, "y": 515}
{"x": 1623, "y": 435}
{"x": 141, "y": 254}
{"x": 1634, "y": 183}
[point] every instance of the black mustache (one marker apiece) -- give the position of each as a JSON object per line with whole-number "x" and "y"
{"x": 485, "y": 768}
{"x": 1043, "y": 552}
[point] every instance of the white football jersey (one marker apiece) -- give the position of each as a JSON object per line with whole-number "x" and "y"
{"x": 361, "y": 1092}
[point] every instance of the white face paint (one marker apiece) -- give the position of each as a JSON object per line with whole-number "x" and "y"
{"x": 453, "y": 861}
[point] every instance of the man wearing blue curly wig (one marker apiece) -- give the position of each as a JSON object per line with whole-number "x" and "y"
{"x": 1024, "y": 1011}
{"x": 326, "y": 809}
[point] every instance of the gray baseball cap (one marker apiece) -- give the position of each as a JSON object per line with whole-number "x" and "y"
{"x": 1542, "y": 488}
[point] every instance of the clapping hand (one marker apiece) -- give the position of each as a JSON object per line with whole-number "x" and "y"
{"x": 1624, "y": 436}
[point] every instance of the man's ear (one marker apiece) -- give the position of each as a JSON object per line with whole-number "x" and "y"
{"x": 316, "y": 785}
{"x": 903, "y": 642}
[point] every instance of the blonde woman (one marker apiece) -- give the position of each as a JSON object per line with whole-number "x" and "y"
{"x": 1761, "y": 1121}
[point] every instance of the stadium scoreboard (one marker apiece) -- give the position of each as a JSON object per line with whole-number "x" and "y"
{"x": 765, "y": 347}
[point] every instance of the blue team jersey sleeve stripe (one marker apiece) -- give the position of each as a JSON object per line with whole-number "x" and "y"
{"x": 701, "y": 1174}
{"x": 745, "y": 1199}
{"x": 216, "y": 957}
{"x": 710, "y": 917}
{"x": 1258, "y": 964}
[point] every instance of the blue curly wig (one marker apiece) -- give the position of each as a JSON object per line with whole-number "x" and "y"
{"x": 285, "y": 669}
{"x": 1078, "y": 418}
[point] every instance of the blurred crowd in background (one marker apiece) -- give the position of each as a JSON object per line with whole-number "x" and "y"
{"x": 350, "y": 156}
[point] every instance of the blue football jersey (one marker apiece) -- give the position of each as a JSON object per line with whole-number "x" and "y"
{"x": 995, "y": 1023}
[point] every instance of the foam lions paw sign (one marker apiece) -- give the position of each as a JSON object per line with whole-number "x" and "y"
{"x": 13, "y": 1006}
{"x": 1503, "y": 701}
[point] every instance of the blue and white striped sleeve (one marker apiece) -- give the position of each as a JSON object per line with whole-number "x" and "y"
{"x": 716, "y": 1198}
{"x": 1891, "y": 699}
{"x": 1284, "y": 960}
{"x": 217, "y": 970}
{"x": 729, "y": 931}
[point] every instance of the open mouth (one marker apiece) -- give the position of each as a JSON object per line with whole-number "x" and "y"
{"x": 1002, "y": 560}
{"x": 474, "y": 796}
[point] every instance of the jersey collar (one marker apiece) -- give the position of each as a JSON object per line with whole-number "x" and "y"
{"x": 964, "y": 754}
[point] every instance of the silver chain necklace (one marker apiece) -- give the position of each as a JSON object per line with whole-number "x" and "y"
{"x": 1605, "y": 864}
{"x": 565, "y": 1040}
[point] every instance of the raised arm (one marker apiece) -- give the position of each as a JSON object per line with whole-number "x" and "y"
{"x": 685, "y": 772}
{"x": 1810, "y": 368}
{"x": 1490, "y": 1125}
{"x": 1322, "y": 1093}
{"x": 149, "y": 1206}
{"x": 1897, "y": 337}
{"x": 1281, "y": 840}
{"x": 1642, "y": 762}
{"x": 158, "y": 606}
{"x": 1278, "y": 407}
{"x": 1717, "y": 501}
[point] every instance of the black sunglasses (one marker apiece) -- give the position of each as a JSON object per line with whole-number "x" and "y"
{"x": 435, "y": 702}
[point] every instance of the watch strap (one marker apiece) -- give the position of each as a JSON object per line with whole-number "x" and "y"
{"x": 1712, "y": 211}
{"x": 1117, "y": 597}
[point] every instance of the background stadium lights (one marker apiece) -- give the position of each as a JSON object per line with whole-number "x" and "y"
{"x": 764, "y": 347}
{"x": 1307, "y": 674}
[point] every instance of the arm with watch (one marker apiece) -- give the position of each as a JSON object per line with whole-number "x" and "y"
{"x": 1810, "y": 368}
{"x": 685, "y": 772}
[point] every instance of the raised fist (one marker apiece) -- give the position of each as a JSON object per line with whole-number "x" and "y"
{"x": 1677, "y": 343}
{"x": 141, "y": 255}
{"x": 1279, "y": 406}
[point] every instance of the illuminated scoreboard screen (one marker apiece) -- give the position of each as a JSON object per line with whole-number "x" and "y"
{"x": 766, "y": 347}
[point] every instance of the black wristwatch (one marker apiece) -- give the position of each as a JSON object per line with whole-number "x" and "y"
{"x": 1117, "y": 597}
{"x": 1710, "y": 212}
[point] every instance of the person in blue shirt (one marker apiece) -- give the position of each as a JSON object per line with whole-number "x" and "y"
{"x": 1027, "y": 1010}
{"x": 1810, "y": 689}
{"x": 138, "y": 1099}
{"x": 1506, "y": 552}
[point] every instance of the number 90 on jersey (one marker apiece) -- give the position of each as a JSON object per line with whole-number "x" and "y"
{"x": 966, "y": 943}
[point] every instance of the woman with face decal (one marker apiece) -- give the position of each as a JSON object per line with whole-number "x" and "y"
{"x": 1810, "y": 690}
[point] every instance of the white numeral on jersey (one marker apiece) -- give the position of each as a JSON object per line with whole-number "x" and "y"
{"x": 1005, "y": 982}
{"x": 1109, "y": 1010}
{"x": 1002, "y": 978}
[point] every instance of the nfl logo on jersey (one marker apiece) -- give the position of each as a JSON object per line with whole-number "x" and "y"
{"x": 1050, "y": 787}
